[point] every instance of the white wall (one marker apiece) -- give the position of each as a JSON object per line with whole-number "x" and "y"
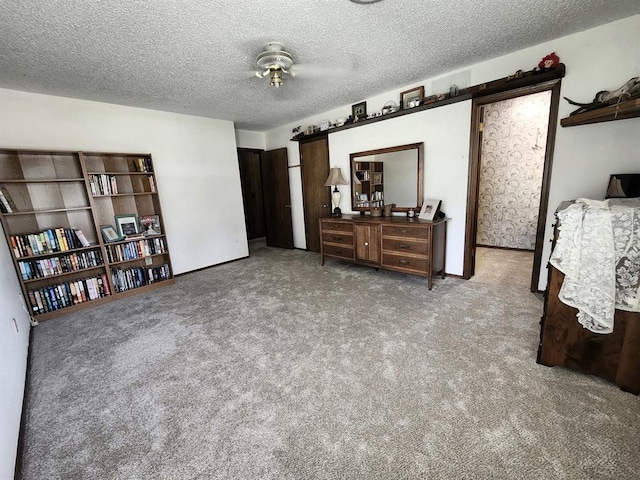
{"x": 602, "y": 58}
{"x": 195, "y": 160}
{"x": 13, "y": 360}
{"x": 446, "y": 160}
{"x": 249, "y": 139}
{"x": 199, "y": 183}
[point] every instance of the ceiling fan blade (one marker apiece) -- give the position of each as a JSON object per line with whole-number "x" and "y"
{"x": 307, "y": 70}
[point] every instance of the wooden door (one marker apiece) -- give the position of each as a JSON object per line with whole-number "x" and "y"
{"x": 252, "y": 198}
{"x": 314, "y": 163}
{"x": 277, "y": 200}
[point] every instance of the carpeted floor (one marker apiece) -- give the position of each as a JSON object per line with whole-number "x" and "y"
{"x": 274, "y": 367}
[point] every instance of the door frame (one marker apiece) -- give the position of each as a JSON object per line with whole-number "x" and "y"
{"x": 473, "y": 183}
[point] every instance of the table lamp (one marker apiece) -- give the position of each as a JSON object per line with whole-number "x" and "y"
{"x": 335, "y": 178}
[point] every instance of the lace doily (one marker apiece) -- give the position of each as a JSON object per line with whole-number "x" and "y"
{"x": 598, "y": 250}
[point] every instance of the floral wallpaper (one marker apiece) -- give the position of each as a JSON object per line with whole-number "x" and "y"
{"x": 511, "y": 166}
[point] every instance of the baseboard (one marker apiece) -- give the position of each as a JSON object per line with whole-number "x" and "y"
{"x": 23, "y": 416}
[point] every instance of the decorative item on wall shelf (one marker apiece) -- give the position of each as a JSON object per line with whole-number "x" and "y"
{"x": 324, "y": 125}
{"x": 389, "y": 107}
{"x": 411, "y": 98}
{"x": 429, "y": 209}
{"x": 606, "y": 97}
{"x": 359, "y": 111}
{"x": 109, "y": 233}
{"x": 549, "y": 62}
{"x": 127, "y": 225}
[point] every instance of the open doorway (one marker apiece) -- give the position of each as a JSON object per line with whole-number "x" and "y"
{"x": 513, "y": 134}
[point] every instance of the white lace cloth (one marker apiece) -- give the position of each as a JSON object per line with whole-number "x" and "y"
{"x": 598, "y": 250}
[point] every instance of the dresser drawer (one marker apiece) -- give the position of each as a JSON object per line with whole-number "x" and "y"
{"x": 405, "y": 245}
{"x": 337, "y": 237}
{"x": 409, "y": 264}
{"x": 405, "y": 231}
{"x": 345, "y": 252}
{"x": 337, "y": 226}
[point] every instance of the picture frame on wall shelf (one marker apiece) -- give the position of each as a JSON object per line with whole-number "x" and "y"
{"x": 150, "y": 224}
{"x": 109, "y": 233}
{"x": 127, "y": 225}
{"x": 411, "y": 98}
{"x": 429, "y": 210}
{"x": 359, "y": 110}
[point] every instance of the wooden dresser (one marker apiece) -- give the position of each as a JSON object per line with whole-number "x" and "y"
{"x": 406, "y": 245}
{"x": 564, "y": 341}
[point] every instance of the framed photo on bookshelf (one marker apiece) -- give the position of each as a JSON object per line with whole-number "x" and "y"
{"x": 150, "y": 224}
{"x": 109, "y": 233}
{"x": 429, "y": 209}
{"x": 127, "y": 224}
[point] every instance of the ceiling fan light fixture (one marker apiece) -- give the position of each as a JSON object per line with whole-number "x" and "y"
{"x": 275, "y": 78}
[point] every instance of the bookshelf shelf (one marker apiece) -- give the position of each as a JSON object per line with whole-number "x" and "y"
{"x": 63, "y": 274}
{"x": 43, "y": 212}
{"x": 52, "y": 223}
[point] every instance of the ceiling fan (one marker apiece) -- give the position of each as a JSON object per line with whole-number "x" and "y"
{"x": 275, "y": 62}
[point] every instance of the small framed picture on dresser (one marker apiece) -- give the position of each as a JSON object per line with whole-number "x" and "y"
{"x": 429, "y": 209}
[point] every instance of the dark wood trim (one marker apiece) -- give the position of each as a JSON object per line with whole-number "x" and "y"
{"x": 474, "y": 172}
{"x": 504, "y": 84}
{"x": 397, "y": 148}
{"x": 546, "y": 181}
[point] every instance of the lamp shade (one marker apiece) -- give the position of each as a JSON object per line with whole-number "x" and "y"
{"x": 335, "y": 178}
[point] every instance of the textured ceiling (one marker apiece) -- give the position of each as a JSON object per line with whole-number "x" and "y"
{"x": 196, "y": 56}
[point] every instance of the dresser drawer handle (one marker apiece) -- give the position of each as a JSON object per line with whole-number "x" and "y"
{"x": 366, "y": 244}
{"x": 337, "y": 239}
{"x": 338, "y": 250}
{"x": 403, "y": 231}
{"x": 402, "y": 245}
{"x": 403, "y": 262}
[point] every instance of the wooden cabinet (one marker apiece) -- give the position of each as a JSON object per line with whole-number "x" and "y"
{"x": 367, "y": 243}
{"x": 407, "y": 245}
{"x": 57, "y": 203}
{"x": 564, "y": 341}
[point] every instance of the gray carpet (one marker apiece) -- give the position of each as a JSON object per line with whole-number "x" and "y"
{"x": 274, "y": 367}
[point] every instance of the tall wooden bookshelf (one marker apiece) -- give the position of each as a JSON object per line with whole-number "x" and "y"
{"x": 52, "y": 208}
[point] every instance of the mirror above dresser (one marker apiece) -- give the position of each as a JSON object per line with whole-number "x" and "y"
{"x": 393, "y": 175}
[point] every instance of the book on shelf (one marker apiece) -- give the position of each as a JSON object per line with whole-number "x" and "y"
{"x": 83, "y": 240}
{"x": 66, "y": 294}
{"x": 143, "y": 164}
{"x": 6, "y": 203}
{"x": 45, "y": 242}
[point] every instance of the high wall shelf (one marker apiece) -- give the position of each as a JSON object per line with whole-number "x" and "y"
{"x": 53, "y": 205}
{"x": 522, "y": 80}
{"x": 627, "y": 109}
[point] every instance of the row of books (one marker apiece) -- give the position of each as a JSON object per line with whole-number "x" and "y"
{"x": 66, "y": 294}
{"x": 48, "y": 241}
{"x": 50, "y": 266}
{"x": 127, "y": 278}
{"x": 143, "y": 165}
{"x": 6, "y": 203}
{"x": 137, "y": 249}
{"x": 103, "y": 184}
